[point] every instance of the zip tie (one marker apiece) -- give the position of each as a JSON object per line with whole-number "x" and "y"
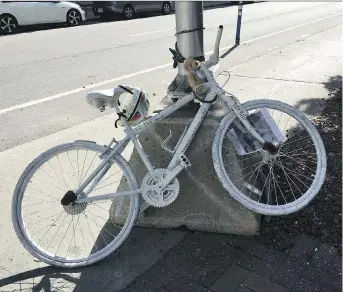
{"x": 190, "y": 30}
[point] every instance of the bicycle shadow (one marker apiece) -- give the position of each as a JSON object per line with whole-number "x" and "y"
{"x": 140, "y": 251}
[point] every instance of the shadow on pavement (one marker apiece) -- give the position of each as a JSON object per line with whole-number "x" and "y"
{"x": 314, "y": 106}
{"x": 140, "y": 251}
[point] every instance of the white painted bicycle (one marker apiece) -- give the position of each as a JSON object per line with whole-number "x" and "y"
{"x": 76, "y": 203}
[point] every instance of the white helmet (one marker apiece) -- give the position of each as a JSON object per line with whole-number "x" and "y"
{"x": 134, "y": 103}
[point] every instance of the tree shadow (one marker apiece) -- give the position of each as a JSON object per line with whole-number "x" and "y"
{"x": 314, "y": 106}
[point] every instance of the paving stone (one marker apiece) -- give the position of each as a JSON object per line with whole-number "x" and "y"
{"x": 211, "y": 241}
{"x": 258, "y": 283}
{"x": 144, "y": 285}
{"x": 218, "y": 259}
{"x": 172, "y": 265}
{"x": 331, "y": 280}
{"x": 258, "y": 266}
{"x": 304, "y": 248}
{"x": 275, "y": 257}
{"x": 206, "y": 276}
{"x": 303, "y": 285}
{"x": 323, "y": 256}
{"x": 248, "y": 244}
{"x": 231, "y": 279}
{"x": 243, "y": 289}
{"x": 289, "y": 272}
{"x": 183, "y": 284}
{"x": 337, "y": 263}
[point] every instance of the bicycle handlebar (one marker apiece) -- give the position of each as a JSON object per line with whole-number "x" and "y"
{"x": 219, "y": 36}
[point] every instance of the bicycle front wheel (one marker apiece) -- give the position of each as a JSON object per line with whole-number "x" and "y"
{"x": 268, "y": 184}
{"x": 78, "y": 234}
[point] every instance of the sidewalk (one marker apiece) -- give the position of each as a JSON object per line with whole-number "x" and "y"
{"x": 287, "y": 256}
{"x": 213, "y": 262}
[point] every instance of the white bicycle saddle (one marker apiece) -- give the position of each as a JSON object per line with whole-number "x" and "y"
{"x": 107, "y": 97}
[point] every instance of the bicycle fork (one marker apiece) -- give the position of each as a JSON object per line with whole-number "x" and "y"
{"x": 242, "y": 114}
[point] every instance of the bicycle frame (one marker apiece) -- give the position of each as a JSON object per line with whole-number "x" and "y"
{"x": 178, "y": 161}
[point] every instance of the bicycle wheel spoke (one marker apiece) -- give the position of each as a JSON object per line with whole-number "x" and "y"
{"x": 97, "y": 188}
{"x": 78, "y": 170}
{"x": 50, "y": 216}
{"x": 88, "y": 168}
{"x": 64, "y": 235}
{"x": 57, "y": 230}
{"x": 71, "y": 165}
{"x": 279, "y": 188}
{"x": 73, "y": 237}
{"x": 106, "y": 221}
{"x": 45, "y": 194}
{"x": 252, "y": 174}
{"x": 56, "y": 187}
{"x": 284, "y": 129}
{"x": 46, "y": 226}
{"x": 83, "y": 166}
{"x": 286, "y": 156}
{"x": 55, "y": 173}
{"x": 101, "y": 182}
{"x": 287, "y": 180}
{"x": 49, "y": 202}
{"x": 268, "y": 178}
{"x": 292, "y": 181}
{"x": 64, "y": 180}
{"x": 40, "y": 211}
{"x": 100, "y": 230}
{"x": 253, "y": 171}
{"x": 48, "y": 174}
{"x": 91, "y": 232}
{"x": 245, "y": 168}
{"x": 292, "y": 173}
{"x": 276, "y": 197}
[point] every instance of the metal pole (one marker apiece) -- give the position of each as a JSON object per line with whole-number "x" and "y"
{"x": 189, "y": 41}
{"x": 239, "y": 21}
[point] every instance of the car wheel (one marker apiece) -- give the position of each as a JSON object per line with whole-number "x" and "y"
{"x": 166, "y": 8}
{"x": 128, "y": 12}
{"x": 73, "y": 17}
{"x": 8, "y": 24}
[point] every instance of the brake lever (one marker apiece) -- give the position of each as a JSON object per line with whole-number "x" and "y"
{"x": 177, "y": 58}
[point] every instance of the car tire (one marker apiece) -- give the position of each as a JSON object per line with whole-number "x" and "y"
{"x": 128, "y": 12}
{"x": 8, "y": 24}
{"x": 166, "y": 8}
{"x": 74, "y": 17}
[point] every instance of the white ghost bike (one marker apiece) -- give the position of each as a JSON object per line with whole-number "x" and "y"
{"x": 76, "y": 203}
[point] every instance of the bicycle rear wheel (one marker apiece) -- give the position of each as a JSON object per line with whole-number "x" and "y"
{"x": 272, "y": 184}
{"x": 78, "y": 234}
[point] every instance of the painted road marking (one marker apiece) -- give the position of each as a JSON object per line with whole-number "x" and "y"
{"x": 91, "y": 86}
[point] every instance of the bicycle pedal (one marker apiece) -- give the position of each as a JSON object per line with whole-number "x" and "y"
{"x": 184, "y": 161}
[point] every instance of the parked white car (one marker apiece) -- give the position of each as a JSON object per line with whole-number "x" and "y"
{"x": 18, "y": 13}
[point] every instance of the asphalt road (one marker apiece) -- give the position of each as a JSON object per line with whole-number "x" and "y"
{"x": 53, "y": 66}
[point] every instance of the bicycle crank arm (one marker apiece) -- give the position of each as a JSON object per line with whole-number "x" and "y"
{"x": 108, "y": 196}
{"x": 171, "y": 175}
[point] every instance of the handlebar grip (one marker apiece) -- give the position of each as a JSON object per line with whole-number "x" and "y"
{"x": 219, "y": 36}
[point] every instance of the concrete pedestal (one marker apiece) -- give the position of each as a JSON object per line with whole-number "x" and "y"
{"x": 203, "y": 204}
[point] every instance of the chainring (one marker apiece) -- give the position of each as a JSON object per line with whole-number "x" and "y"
{"x": 153, "y": 194}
